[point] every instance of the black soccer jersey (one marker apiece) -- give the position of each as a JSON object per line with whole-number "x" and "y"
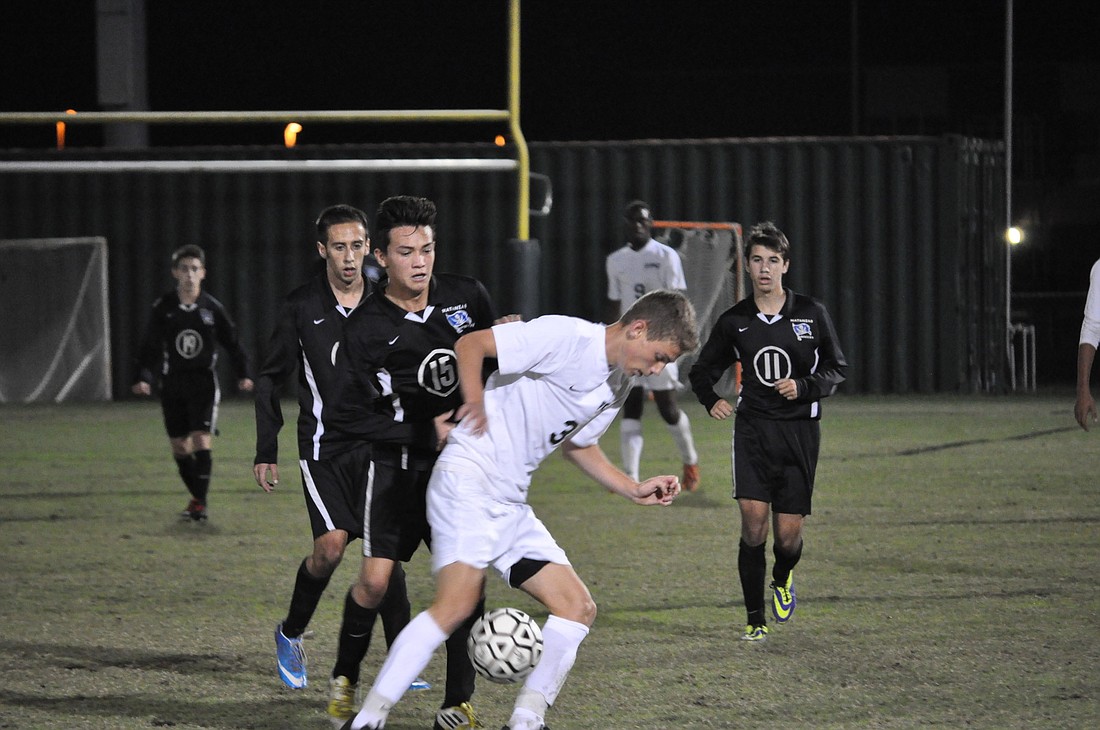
{"x": 798, "y": 343}
{"x": 183, "y": 338}
{"x": 401, "y": 365}
{"x": 307, "y": 335}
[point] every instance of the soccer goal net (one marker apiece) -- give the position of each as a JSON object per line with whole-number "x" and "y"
{"x": 711, "y": 254}
{"x": 55, "y": 330}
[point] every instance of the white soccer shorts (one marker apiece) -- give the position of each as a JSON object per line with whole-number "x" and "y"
{"x": 469, "y": 525}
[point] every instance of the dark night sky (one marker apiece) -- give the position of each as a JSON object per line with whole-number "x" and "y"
{"x": 591, "y": 70}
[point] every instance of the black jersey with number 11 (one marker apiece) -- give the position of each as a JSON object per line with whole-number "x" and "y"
{"x": 798, "y": 343}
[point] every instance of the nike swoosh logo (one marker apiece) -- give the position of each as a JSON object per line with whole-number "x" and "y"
{"x": 394, "y": 340}
{"x": 319, "y": 321}
{"x": 742, "y": 329}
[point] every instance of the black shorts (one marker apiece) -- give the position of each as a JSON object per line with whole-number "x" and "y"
{"x": 395, "y": 515}
{"x": 335, "y": 491}
{"x": 775, "y": 462}
{"x": 189, "y": 402}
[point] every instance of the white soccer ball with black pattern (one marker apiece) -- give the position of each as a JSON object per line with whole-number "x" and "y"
{"x": 505, "y": 644}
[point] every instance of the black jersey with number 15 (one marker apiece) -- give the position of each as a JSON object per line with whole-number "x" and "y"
{"x": 798, "y": 343}
{"x": 401, "y": 365}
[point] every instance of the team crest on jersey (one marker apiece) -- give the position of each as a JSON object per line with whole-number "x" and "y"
{"x": 188, "y": 344}
{"x": 803, "y": 329}
{"x": 460, "y": 320}
{"x": 207, "y": 317}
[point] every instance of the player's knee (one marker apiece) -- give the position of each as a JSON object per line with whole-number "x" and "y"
{"x": 370, "y": 590}
{"x": 586, "y": 611}
{"x": 580, "y": 608}
{"x": 328, "y": 551}
{"x": 325, "y": 560}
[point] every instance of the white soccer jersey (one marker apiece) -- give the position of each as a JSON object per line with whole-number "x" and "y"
{"x": 1090, "y": 325}
{"x": 553, "y": 383}
{"x": 630, "y": 273}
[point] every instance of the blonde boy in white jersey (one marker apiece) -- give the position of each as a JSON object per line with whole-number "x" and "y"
{"x": 560, "y": 382}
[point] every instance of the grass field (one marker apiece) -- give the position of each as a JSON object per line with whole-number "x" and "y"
{"x": 950, "y": 578}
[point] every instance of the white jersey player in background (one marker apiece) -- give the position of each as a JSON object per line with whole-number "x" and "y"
{"x": 1084, "y": 410}
{"x": 643, "y": 265}
{"x": 560, "y": 381}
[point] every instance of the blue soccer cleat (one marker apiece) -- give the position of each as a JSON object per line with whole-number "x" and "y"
{"x": 291, "y": 657}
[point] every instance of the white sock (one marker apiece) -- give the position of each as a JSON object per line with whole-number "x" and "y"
{"x": 681, "y": 434}
{"x": 630, "y": 438}
{"x": 560, "y": 639}
{"x": 407, "y": 658}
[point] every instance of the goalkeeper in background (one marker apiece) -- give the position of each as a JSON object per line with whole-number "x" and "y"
{"x": 790, "y": 359}
{"x": 179, "y": 351}
{"x": 643, "y": 265}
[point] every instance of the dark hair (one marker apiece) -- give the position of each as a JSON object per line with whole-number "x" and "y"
{"x": 190, "y": 251}
{"x": 634, "y": 205}
{"x": 766, "y": 234}
{"x": 334, "y": 215}
{"x": 402, "y": 210}
{"x": 669, "y": 315}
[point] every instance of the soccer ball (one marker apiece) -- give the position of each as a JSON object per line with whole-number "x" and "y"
{"x": 505, "y": 644}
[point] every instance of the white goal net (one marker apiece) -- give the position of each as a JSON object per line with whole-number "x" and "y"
{"x": 711, "y": 254}
{"x": 55, "y": 331}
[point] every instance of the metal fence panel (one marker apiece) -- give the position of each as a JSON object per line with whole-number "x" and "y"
{"x": 900, "y": 237}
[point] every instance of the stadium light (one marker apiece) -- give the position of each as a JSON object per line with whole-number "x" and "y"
{"x": 1014, "y": 235}
{"x": 290, "y": 134}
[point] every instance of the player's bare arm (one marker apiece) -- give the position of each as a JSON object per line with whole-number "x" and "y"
{"x": 1084, "y": 410}
{"x": 471, "y": 350}
{"x": 594, "y": 463}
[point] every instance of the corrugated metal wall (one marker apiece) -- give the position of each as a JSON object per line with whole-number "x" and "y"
{"x": 899, "y": 236}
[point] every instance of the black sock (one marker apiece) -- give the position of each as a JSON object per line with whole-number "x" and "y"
{"x": 303, "y": 602}
{"x": 751, "y": 567}
{"x": 355, "y": 631}
{"x": 186, "y": 466}
{"x": 395, "y": 609}
{"x": 203, "y": 464}
{"x": 460, "y": 672}
{"x": 784, "y": 563}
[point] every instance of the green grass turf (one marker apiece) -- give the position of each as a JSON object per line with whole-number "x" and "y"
{"x": 949, "y": 579}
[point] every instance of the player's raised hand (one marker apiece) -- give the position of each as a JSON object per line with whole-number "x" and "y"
{"x": 657, "y": 490}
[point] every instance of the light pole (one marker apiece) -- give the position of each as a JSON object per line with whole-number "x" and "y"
{"x": 1010, "y": 350}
